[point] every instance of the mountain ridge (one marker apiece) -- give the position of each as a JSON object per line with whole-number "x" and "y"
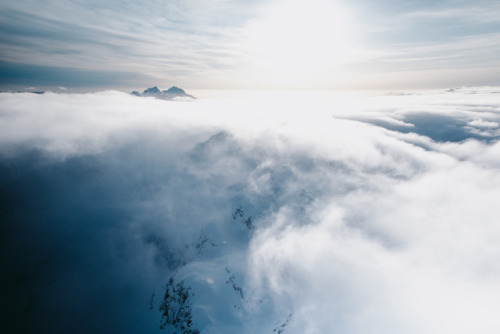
{"x": 172, "y": 93}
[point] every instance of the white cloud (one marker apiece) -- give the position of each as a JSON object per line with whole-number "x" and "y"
{"x": 484, "y": 13}
{"x": 352, "y": 213}
{"x": 160, "y": 39}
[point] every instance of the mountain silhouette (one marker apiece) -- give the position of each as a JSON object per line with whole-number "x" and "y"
{"x": 169, "y": 94}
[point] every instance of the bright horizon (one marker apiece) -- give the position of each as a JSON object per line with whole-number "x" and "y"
{"x": 249, "y": 45}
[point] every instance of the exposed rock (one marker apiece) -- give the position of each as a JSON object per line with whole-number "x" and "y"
{"x": 173, "y": 93}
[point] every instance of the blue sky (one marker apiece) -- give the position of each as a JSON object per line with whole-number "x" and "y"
{"x": 278, "y": 44}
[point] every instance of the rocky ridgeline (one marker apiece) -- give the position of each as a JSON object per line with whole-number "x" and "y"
{"x": 173, "y": 93}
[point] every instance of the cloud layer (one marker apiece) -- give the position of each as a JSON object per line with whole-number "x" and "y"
{"x": 248, "y": 44}
{"x": 308, "y": 213}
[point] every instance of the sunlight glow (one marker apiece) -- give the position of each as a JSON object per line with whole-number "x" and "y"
{"x": 302, "y": 41}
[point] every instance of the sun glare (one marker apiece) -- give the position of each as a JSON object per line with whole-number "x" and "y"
{"x": 301, "y": 41}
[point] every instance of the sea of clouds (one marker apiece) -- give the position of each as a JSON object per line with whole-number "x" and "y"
{"x": 282, "y": 212}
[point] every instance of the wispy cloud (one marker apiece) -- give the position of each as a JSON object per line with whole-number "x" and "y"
{"x": 420, "y": 39}
{"x": 159, "y": 39}
{"x": 481, "y": 14}
{"x": 251, "y": 44}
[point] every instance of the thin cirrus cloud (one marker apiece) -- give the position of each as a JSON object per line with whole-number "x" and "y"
{"x": 355, "y": 217}
{"x": 430, "y": 37}
{"x": 277, "y": 44}
{"x": 158, "y": 40}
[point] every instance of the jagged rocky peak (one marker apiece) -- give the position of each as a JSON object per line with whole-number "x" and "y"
{"x": 152, "y": 90}
{"x": 174, "y": 90}
{"x": 173, "y": 93}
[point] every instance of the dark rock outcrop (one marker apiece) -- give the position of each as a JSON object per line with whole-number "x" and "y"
{"x": 172, "y": 93}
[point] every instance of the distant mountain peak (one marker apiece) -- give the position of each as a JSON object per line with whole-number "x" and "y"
{"x": 173, "y": 93}
{"x": 175, "y": 90}
{"x": 152, "y": 90}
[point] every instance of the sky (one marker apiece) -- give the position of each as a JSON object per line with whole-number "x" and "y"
{"x": 287, "y": 212}
{"x": 255, "y": 44}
